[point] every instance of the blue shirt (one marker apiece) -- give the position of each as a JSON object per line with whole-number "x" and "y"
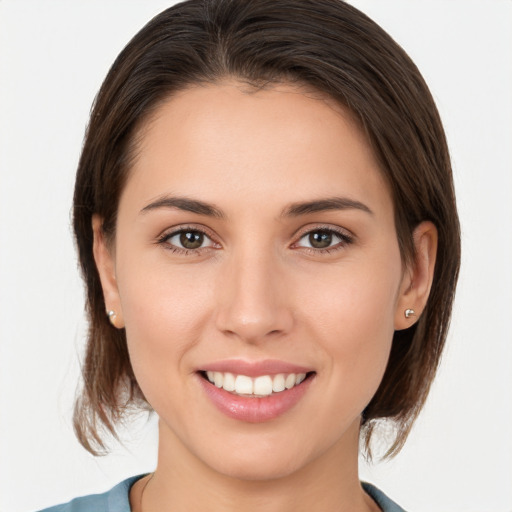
{"x": 117, "y": 500}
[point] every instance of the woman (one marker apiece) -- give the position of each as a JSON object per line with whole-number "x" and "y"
{"x": 267, "y": 229}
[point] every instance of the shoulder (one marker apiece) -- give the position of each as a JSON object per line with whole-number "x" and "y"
{"x": 385, "y": 503}
{"x": 115, "y": 500}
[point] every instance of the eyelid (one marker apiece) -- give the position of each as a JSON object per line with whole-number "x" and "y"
{"x": 346, "y": 237}
{"x": 168, "y": 233}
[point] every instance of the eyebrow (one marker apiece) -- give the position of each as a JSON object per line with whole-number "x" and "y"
{"x": 294, "y": 210}
{"x": 322, "y": 205}
{"x": 185, "y": 204}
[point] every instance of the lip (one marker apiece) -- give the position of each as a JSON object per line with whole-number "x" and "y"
{"x": 254, "y": 368}
{"x": 254, "y": 409}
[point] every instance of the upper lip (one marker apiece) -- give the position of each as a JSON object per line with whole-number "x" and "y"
{"x": 254, "y": 368}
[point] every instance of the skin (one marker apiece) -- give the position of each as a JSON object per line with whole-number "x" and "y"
{"x": 255, "y": 290}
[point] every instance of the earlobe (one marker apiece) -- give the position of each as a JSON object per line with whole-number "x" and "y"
{"x": 418, "y": 277}
{"x": 105, "y": 264}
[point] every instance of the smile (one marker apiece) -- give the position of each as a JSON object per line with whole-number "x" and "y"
{"x": 261, "y": 386}
{"x": 255, "y": 392}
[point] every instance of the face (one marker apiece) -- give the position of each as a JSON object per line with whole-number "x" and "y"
{"x": 257, "y": 272}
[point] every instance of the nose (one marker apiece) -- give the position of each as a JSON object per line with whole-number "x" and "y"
{"x": 253, "y": 302}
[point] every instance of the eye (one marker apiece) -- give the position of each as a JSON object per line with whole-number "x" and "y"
{"x": 324, "y": 239}
{"x": 187, "y": 240}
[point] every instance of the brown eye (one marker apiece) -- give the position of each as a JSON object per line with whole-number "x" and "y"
{"x": 191, "y": 239}
{"x": 320, "y": 239}
{"x": 187, "y": 240}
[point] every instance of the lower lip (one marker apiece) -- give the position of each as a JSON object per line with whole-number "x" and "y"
{"x": 254, "y": 409}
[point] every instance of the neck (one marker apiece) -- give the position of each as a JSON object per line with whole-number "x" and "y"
{"x": 183, "y": 482}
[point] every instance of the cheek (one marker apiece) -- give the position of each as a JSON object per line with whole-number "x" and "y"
{"x": 164, "y": 312}
{"x": 353, "y": 319}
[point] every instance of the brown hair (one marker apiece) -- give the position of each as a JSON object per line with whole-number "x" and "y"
{"x": 331, "y": 47}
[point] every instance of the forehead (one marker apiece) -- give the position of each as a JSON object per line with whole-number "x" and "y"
{"x": 229, "y": 138}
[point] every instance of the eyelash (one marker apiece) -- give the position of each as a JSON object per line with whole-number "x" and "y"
{"x": 164, "y": 240}
{"x": 344, "y": 240}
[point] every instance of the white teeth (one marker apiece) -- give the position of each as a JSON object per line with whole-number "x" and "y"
{"x": 229, "y": 382}
{"x": 218, "y": 379}
{"x": 264, "y": 385}
{"x": 300, "y": 377}
{"x": 243, "y": 385}
{"x": 278, "y": 383}
{"x": 290, "y": 381}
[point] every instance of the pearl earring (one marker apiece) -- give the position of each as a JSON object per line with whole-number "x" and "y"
{"x": 409, "y": 312}
{"x": 112, "y": 316}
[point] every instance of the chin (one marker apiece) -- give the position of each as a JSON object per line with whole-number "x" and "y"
{"x": 257, "y": 469}
{"x": 265, "y": 456}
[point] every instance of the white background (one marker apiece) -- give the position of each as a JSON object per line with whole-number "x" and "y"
{"x": 53, "y": 57}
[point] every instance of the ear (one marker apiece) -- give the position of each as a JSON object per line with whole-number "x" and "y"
{"x": 105, "y": 263}
{"x": 417, "y": 279}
